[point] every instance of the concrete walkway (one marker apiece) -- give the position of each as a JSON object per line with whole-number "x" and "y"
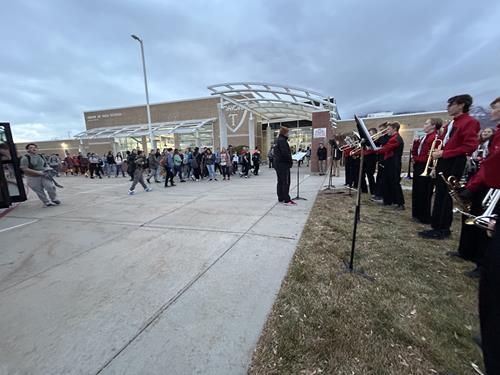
{"x": 175, "y": 281}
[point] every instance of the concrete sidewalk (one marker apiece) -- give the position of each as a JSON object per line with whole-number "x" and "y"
{"x": 175, "y": 281}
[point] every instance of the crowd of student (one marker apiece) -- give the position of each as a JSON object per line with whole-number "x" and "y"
{"x": 161, "y": 166}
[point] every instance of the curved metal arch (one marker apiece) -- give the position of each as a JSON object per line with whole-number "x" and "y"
{"x": 159, "y": 128}
{"x": 260, "y": 98}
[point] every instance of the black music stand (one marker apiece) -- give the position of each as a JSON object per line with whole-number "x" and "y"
{"x": 299, "y": 158}
{"x": 365, "y": 140}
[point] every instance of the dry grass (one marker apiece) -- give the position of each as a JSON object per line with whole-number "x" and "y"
{"x": 417, "y": 317}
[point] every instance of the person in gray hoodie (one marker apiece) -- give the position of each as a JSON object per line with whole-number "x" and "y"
{"x": 140, "y": 161}
{"x": 154, "y": 165}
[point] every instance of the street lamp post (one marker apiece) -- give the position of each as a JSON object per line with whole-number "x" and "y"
{"x": 151, "y": 136}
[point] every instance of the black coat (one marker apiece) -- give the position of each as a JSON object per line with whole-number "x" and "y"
{"x": 322, "y": 153}
{"x": 282, "y": 154}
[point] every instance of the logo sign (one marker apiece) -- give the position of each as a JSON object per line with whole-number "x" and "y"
{"x": 319, "y": 133}
{"x": 235, "y": 116}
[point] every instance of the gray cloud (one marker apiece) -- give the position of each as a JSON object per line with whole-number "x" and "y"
{"x": 60, "y": 58}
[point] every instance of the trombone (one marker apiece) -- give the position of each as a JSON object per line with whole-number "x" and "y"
{"x": 379, "y": 134}
{"x": 430, "y": 166}
{"x": 374, "y": 137}
{"x": 349, "y": 143}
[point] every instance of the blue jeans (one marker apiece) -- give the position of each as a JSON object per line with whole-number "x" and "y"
{"x": 211, "y": 170}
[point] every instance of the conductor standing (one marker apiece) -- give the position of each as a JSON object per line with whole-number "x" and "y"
{"x": 282, "y": 162}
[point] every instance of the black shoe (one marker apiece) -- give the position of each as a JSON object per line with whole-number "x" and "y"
{"x": 172, "y": 184}
{"x": 399, "y": 207}
{"x": 56, "y": 201}
{"x": 432, "y": 234}
{"x": 473, "y": 274}
{"x": 477, "y": 339}
{"x": 454, "y": 254}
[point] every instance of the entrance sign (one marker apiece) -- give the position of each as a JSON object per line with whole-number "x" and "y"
{"x": 319, "y": 133}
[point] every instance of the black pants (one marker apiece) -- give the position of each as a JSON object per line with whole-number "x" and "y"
{"x": 270, "y": 162}
{"x": 283, "y": 184}
{"x": 245, "y": 168}
{"x": 489, "y": 305}
{"x": 348, "y": 171}
{"x": 379, "y": 181}
{"x": 196, "y": 173}
{"x": 355, "y": 165}
{"x": 256, "y": 167}
{"x": 94, "y": 168}
{"x": 370, "y": 163}
{"x": 442, "y": 211}
{"x": 421, "y": 195}
{"x": 473, "y": 240}
{"x": 392, "y": 193}
{"x": 169, "y": 176}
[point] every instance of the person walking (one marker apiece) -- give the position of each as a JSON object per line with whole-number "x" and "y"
{"x": 119, "y": 164}
{"x": 256, "y": 161}
{"x": 154, "y": 164}
{"x": 270, "y": 156}
{"x": 210, "y": 161}
{"x": 282, "y": 164}
{"x": 169, "y": 167}
{"x": 140, "y": 162}
{"x": 177, "y": 158}
{"x": 225, "y": 162}
{"x": 34, "y": 167}
{"x": 110, "y": 164}
{"x": 55, "y": 163}
{"x": 196, "y": 164}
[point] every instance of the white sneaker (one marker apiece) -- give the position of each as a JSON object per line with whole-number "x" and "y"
{"x": 131, "y": 192}
{"x": 148, "y": 189}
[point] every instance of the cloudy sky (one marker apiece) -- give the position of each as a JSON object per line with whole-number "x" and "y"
{"x": 62, "y": 57}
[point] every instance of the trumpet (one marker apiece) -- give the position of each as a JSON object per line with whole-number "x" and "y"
{"x": 430, "y": 166}
{"x": 489, "y": 203}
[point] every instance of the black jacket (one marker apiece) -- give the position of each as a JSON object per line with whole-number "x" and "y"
{"x": 282, "y": 155}
{"x": 322, "y": 153}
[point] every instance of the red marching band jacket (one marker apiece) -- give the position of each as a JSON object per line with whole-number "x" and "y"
{"x": 464, "y": 137}
{"x": 426, "y": 147}
{"x": 489, "y": 169}
{"x": 388, "y": 149}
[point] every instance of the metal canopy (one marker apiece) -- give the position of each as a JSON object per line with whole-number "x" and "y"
{"x": 159, "y": 128}
{"x": 275, "y": 102}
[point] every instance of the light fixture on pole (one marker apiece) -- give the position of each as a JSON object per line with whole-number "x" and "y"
{"x": 151, "y": 136}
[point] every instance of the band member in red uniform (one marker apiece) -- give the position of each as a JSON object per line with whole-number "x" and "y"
{"x": 422, "y": 186}
{"x": 379, "y": 181}
{"x": 393, "y": 152}
{"x": 488, "y": 176}
{"x": 459, "y": 140}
